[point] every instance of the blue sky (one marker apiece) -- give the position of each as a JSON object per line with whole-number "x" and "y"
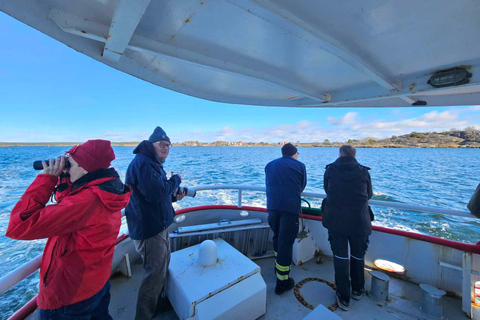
{"x": 51, "y": 93}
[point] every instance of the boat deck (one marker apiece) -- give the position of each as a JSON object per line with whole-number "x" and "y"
{"x": 404, "y": 297}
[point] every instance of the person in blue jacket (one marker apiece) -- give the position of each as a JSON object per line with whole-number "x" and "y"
{"x": 285, "y": 179}
{"x": 149, "y": 213}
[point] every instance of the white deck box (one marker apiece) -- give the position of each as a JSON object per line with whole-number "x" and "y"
{"x": 231, "y": 289}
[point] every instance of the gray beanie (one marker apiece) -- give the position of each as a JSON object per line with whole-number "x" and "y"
{"x": 158, "y": 134}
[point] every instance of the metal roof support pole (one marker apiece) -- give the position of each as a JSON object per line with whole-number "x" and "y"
{"x": 125, "y": 20}
{"x": 467, "y": 284}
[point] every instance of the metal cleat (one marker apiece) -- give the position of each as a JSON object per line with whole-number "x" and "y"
{"x": 432, "y": 300}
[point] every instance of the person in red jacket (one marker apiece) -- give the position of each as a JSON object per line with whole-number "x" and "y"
{"x": 81, "y": 228}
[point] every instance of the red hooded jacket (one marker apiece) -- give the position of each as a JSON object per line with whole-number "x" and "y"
{"x": 81, "y": 229}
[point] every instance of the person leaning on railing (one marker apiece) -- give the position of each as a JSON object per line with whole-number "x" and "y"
{"x": 285, "y": 180}
{"x": 346, "y": 215}
{"x": 81, "y": 229}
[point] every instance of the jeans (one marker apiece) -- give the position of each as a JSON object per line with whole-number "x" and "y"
{"x": 95, "y": 308}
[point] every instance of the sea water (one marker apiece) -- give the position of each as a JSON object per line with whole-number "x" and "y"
{"x": 443, "y": 178}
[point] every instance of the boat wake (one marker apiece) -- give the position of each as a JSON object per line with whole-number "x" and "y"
{"x": 377, "y": 195}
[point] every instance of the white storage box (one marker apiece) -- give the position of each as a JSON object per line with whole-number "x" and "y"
{"x": 231, "y": 289}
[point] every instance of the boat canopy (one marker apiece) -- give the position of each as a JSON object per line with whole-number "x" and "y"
{"x": 308, "y": 53}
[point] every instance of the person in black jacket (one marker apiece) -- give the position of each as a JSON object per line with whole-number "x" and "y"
{"x": 285, "y": 179}
{"x": 149, "y": 213}
{"x": 346, "y": 216}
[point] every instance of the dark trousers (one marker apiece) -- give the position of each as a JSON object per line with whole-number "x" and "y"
{"x": 285, "y": 229}
{"x": 95, "y": 308}
{"x": 155, "y": 252}
{"x": 342, "y": 263}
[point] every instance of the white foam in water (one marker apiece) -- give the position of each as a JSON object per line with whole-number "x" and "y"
{"x": 395, "y": 226}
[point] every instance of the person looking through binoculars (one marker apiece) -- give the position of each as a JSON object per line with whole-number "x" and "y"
{"x": 81, "y": 228}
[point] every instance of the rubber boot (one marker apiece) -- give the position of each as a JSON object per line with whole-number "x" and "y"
{"x": 284, "y": 286}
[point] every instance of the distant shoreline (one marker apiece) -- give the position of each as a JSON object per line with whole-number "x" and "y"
{"x": 305, "y": 145}
{"x": 469, "y": 138}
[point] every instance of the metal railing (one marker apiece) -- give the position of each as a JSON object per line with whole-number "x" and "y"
{"x": 28, "y": 268}
{"x": 22, "y": 272}
{"x": 379, "y": 203}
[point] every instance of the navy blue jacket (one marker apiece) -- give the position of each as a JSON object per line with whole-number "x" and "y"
{"x": 150, "y": 210}
{"x": 348, "y": 186}
{"x": 285, "y": 178}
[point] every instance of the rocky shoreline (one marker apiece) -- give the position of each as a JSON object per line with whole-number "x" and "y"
{"x": 468, "y": 138}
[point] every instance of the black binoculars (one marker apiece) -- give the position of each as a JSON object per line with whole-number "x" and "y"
{"x": 37, "y": 165}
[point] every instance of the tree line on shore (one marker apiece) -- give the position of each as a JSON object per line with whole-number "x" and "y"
{"x": 468, "y": 138}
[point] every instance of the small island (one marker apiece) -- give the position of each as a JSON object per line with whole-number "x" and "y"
{"x": 468, "y": 138}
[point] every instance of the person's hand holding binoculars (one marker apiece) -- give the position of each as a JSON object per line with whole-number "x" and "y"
{"x": 54, "y": 167}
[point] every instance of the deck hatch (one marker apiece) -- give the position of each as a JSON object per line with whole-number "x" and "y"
{"x": 200, "y": 292}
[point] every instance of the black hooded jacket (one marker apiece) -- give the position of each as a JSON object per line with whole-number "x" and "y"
{"x": 348, "y": 186}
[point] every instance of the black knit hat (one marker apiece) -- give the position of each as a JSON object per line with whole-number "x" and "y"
{"x": 289, "y": 150}
{"x": 158, "y": 134}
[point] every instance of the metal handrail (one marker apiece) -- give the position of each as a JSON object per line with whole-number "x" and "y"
{"x": 379, "y": 203}
{"x": 22, "y": 272}
{"x": 28, "y": 268}
{"x": 17, "y": 275}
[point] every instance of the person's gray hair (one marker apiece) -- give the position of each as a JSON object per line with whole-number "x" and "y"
{"x": 348, "y": 151}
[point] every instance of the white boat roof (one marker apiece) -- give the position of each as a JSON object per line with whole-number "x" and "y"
{"x": 277, "y": 53}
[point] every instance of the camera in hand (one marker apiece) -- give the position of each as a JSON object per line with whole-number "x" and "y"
{"x": 191, "y": 193}
{"x": 37, "y": 165}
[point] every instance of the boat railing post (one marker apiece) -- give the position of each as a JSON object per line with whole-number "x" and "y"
{"x": 467, "y": 284}
{"x": 239, "y": 198}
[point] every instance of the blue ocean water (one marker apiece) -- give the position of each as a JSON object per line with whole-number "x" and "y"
{"x": 430, "y": 177}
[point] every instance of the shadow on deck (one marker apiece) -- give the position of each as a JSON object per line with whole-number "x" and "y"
{"x": 404, "y": 298}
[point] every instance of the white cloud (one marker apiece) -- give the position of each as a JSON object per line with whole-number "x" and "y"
{"x": 349, "y": 126}
{"x": 224, "y": 134}
{"x": 472, "y": 109}
{"x": 40, "y": 136}
{"x": 302, "y": 131}
{"x": 349, "y": 118}
{"x": 120, "y": 136}
{"x": 433, "y": 121}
